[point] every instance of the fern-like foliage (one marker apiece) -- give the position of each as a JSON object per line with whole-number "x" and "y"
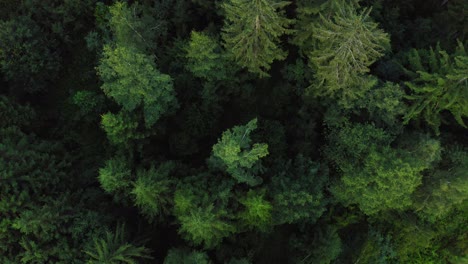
{"x": 113, "y": 249}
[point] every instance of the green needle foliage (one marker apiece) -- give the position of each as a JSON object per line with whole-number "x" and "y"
{"x": 441, "y": 85}
{"x": 235, "y": 152}
{"x": 152, "y": 190}
{"x": 348, "y": 43}
{"x": 141, "y": 114}
{"x": 181, "y": 256}
{"x": 252, "y": 32}
{"x": 298, "y": 191}
{"x": 376, "y": 176}
{"x": 114, "y": 250}
{"x": 206, "y": 58}
{"x": 27, "y": 58}
{"x": 121, "y": 128}
{"x": 205, "y": 226}
{"x": 257, "y": 211}
{"x": 132, "y": 80}
{"x": 115, "y": 175}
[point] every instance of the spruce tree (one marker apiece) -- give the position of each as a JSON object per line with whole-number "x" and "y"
{"x": 252, "y": 32}
{"x": 349, "y": 41}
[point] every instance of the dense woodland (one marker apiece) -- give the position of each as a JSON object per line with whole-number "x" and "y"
{"x": 233, "y": 131}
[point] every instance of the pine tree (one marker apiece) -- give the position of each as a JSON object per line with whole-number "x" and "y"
{"x": 235, "y": 153}
{"x": 348, "y": 43}
{"x": 121, "y": 128}
{"x": 257, "y": 211}
{"x": 376, "y": 176}
{"x": 441, "y": 85}
{"x": 115, "y": 177}
{"x": 113, "y": 249}
{"x": 28, "y": 59}
{"x": 297, "y": 190}
{"x": 207, "y": 59}
{"x": 252, "y": 32}
{"x": 152, "y": 190}
{"x": 181, "y": 256}
{"x": 205, "y": 226}
{"x": 132, "y": 80}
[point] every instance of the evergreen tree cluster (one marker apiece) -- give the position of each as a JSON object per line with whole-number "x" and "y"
{"x": 233, "y": 131}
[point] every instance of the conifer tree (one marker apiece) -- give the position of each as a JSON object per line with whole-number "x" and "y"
{"x": 132, "y": 80}
{"x": 441, "y": 85}
{"x": 182, "y": 256}
{"x": 203, "y": 225}
{"x": 113, "y": 249}
{"x": 252, "y": 32}
{"x": 152, "y": 192}
{"x": 27, "y": 58}
{"x": 376, "y": 176}
{"x": 298, "y": 191}
{"x": 257, "y": 210}
{"x": 235, "y": 153}
{"x": 348, "y": 43}
{"x": 207, "y": 59}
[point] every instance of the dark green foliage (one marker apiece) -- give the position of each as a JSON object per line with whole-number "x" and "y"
{"x": 441, "y": 85}
{"x": 121, "y": 128}
{"x": 374, "y": 175}
{"x": 41, "y": 217}
{"x": 27, "y": 58}
{"x": 377, "y": 249}
{"x": 88, "y": 102}
{"x": 252, "y": 32}
{"x": 158, "y": 116}
{"x": 115, "y": 176}
{"x": 181, "y": 256}
{"x": 202, "y": 225}
{"x": 14, "y": 115}
{"x": 385, "y": 103}
{"x": 298, "y": 192}
{"x": 113, "y": 249}
{"x": 445, "y": 188}
{"x": 322, "y": 246}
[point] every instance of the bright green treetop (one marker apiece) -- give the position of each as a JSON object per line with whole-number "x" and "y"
{"x": 207, "y": 59}
{"x": 257, "y": 210}
{"x": 240, "y": 158}
{"x": 152, "y": 192}
{"x": 376, "y": 176}
{"x": 132, "y": 80}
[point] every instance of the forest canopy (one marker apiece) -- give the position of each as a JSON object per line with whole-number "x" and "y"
{"x": 233, "y": 131}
